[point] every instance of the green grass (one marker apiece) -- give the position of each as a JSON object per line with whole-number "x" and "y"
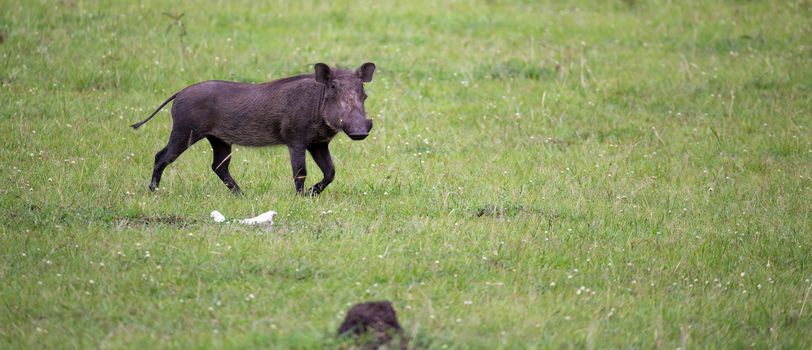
{"x": 631, "y": 174}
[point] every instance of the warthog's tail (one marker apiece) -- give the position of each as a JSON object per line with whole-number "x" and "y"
{"x": 138, "y": 125}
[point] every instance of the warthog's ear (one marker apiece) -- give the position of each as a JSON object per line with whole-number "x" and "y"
{"x": 365, "y": 71}
{"x": 322, "y": 73}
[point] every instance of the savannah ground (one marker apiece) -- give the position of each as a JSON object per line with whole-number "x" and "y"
{"x": 540, "y": 175}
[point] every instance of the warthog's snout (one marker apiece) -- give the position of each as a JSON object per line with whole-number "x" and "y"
{"x": 360, "y": 130}
{"x": 358, "y": 137}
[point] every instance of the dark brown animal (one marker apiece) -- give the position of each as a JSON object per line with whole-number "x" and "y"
{"x": 303, "y": 112}
{"x": 377, "y": 319}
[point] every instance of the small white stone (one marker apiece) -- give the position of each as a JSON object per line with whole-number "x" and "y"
{"x": 264, "y": 218}
{"x": 217, "y": 216}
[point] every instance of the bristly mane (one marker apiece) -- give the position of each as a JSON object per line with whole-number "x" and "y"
{"x": 337, "y": 72}
{"x": 293, "y": 78}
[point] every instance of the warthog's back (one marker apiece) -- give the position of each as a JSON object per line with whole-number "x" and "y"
{"x": 247, "y": 114}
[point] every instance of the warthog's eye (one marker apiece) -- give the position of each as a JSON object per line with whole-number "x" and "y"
{"x": 333, "y": 85}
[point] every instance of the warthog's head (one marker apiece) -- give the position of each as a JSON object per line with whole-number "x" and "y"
{"x": 344, "y": 98}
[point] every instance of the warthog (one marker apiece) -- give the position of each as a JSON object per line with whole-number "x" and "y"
{"x": 303, "y": 112}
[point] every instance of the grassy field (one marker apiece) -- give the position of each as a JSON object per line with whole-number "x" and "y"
{"x": 609, "y": 174}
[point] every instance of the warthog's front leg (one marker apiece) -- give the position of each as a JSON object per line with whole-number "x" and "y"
{"x": 297, "y": 162}
{"x": 321, "y": 154}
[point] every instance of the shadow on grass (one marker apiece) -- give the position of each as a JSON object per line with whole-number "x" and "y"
{"x": 140, "y": 221}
